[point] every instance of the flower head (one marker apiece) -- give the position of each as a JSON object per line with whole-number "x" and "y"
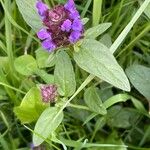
{"x": 62, "y": 25}
{"x": 49, "y": 93}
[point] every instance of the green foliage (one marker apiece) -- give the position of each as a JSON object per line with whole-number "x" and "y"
{"x": 31, "y": 106}
{"x": 96, "y": 59}
{"x": 29, "y": 13}
{"x": 97, "y": 10}
{"x": 46, "y": 124}
{"x": 121, "y": 117}
{"x": 147, "y": 11}
{"x": 140, "y": 78}
{"x": 93, "y": 101}
{"x": 114, "y": 139}
{"x": 25, "y": 65}
{"x": 47, "y": 78}
{"x": 64, "y": 74}
{"x": 45, "y": 59}
{"x": 94, "y": 32}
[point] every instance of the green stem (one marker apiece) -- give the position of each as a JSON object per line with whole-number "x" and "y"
{"x": 127, "y": 29}
{"x": 79, "y": 106}
{"x": 97, "y": 8}
{"x": 12, "y": 21}
{"x": 13, "y": 88}
{"x": 52, "y": 2}
{"x": 83, "y": 85}
{"x": 8, "y": 34}
{"x": 86, "y": 8}
{"x": 147, "y": 29}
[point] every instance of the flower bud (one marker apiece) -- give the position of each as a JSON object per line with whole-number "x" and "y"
{"x": 49, "y": 93}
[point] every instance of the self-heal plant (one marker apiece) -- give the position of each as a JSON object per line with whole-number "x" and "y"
{"x": 62, "y": 25}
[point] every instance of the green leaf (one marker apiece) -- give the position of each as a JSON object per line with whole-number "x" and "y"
{"x": 93, "y": 101}
{"x": 25, "y": 65}
{"x": 116, "y": 99}
{"x": 46, "y": 124}
{"x": 85, "y": 20}
{"x": 121, "y": 117}
{"x": 147, "y": 11}
{"x": 138, "y": 105}
{"x": 4, "y": 63}
{"x": 44, "y": 58}
{"x": 29, "y": 13}
{"x": 97, "y": 10}
{"x": 47, "y": 78}
{"x": 94, "y": 32}
{"x": 64, "y": 74}
{"x": 106, "y": 40}
{"x": 140, "y": 78}
{"x": 96, "y": 59}
{"x": 113, "y": 138}
{"x": 31, "y": 106}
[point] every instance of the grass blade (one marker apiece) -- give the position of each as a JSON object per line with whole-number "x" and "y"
{"x": 126, "y": 30}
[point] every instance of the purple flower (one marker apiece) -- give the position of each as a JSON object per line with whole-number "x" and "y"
{"x": 77, "y": 25}
{"x": 44, "y": 34}
{"x": 49, "y": 93}
{"x": 74, "y": 15}
{"x": 62, "y": 25}
{"x": 42, "y": 8}
{"x": 70, "y": 5}
{"x": 66, "y": 26}
{"x": 49, "y": 45}
{"x": 74, "y": 36}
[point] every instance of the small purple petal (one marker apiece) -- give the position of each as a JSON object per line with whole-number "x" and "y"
{"x": 42, "y": 8}
{"x": 74, "y": 36}
{"x": 70, "y": 5}
{"x": 43, "y": 34}
{"x": 66, "y": 26}
{"x": 77, "y": 25}
{"x": 49, "y": 45}
{"x": 74, "y": 14}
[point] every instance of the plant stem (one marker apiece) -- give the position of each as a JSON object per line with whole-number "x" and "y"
{"x": 97, "y": 6}
{"x": 83, "y": 85}
{"x": 135, "y": 39}
{"x": 79, "y": 107}
{"x": 8, "y": 34}
{"x": 126, "y": 30}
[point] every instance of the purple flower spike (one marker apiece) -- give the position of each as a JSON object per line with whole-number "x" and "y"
{"x": 77, "y": 25}
{"x": 62, "y": 23}
{"x": 74, "y": 36}
{"x": 49, "y": 45}
{"x": 42, "y": 8}
{"x": 43, "y": 34}
{"x": 66, "y": 26}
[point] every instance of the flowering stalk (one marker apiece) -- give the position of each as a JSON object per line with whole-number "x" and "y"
{"x": 62, "y": 25}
